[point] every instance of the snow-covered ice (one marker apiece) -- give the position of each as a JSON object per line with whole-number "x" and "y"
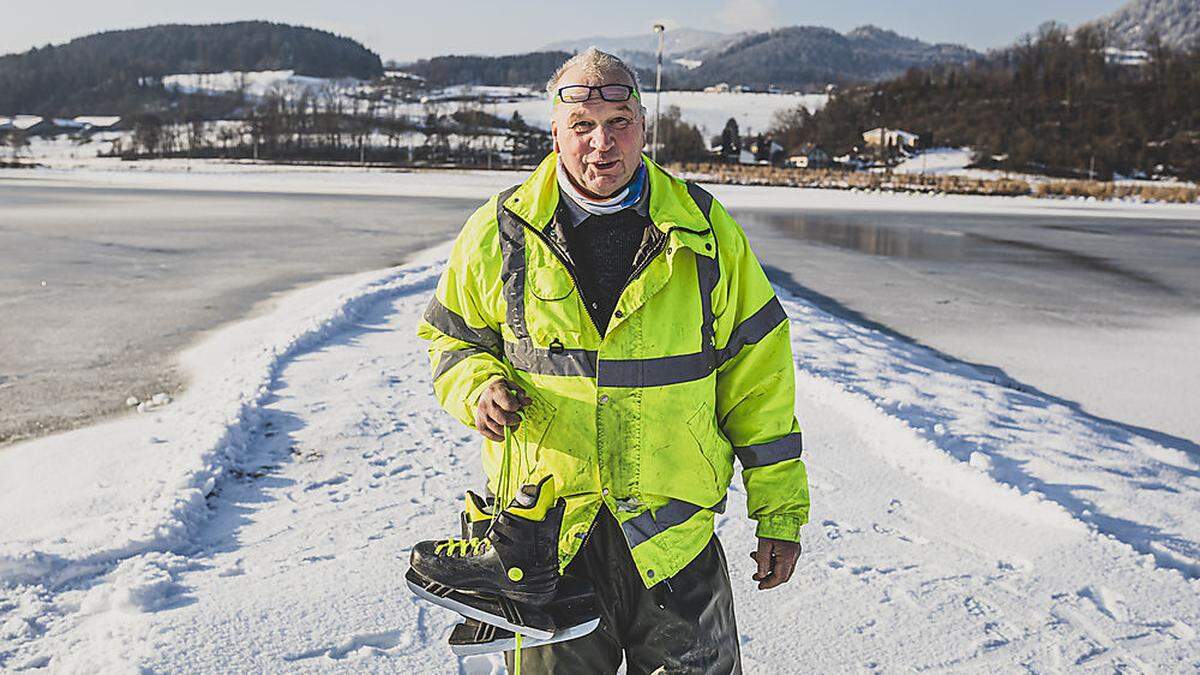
{"x": 958, "y": 523}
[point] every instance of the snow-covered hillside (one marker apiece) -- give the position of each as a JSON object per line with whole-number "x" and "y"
{"x": 707, "y": 110}
{"x": 261, "y": 523}
{"x": 253, "y": 83}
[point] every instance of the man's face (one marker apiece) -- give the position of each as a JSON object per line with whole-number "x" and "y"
{"x": 599, "y": 142}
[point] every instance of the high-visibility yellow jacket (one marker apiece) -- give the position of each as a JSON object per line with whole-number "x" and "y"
{"x": 695, "y": 369}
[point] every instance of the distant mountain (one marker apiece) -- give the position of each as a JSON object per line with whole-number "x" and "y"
{"x": 640, "y": 50}
{"x": 810, "y": 56}
{"x": 798, "y": 57}
{"x": 108, "y": 72}
{"x": 1177, "y": 22}
{"x": 533, "y": 68}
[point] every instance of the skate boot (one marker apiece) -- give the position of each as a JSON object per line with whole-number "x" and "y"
{"x": 573, "y": 609}
{"x": 505, "y": 577}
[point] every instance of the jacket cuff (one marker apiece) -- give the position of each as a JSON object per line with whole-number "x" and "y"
{"x": 472, "y": 401}
{"x": 784, "y": 528}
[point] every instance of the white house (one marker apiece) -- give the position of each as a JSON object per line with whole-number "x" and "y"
{"x": 898, "y": 138}
{"x": 810, "y": 157}
{"x": 20, "y": 122}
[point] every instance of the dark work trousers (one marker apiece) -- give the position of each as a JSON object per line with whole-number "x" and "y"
{"x": 682, "y": 625}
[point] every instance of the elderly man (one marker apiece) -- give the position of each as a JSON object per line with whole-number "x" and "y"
{"x": 621, "y": 311}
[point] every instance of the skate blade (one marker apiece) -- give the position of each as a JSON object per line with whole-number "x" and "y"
{"x": 478, "y": 614}
{"x": 507, "y": 644}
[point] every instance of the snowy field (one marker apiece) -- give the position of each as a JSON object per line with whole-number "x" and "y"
{"x": 261, "y": 522}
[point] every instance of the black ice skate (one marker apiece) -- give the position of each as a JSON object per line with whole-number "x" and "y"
{"x": 573, "y": 609}
{"x": 504, "y": 578}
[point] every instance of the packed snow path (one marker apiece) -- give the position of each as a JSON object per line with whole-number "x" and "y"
{"x": 958, "y": 524}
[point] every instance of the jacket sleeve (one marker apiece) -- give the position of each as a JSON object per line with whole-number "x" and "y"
{"x": 756, "y": 387}
{"x": 465, "y": 348}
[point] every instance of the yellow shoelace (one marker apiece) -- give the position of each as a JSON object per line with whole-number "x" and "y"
{"x": 461, "y": 547}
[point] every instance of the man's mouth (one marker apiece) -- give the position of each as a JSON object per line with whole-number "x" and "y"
{"x": 605, "y": 166}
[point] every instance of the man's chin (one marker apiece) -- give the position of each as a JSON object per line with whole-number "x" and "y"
{"x": 605, "y": 185}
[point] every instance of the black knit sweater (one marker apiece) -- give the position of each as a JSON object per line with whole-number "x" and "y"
{"x": 602, "y": 249}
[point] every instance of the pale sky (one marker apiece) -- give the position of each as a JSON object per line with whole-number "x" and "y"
{"x": 406, "y": 30}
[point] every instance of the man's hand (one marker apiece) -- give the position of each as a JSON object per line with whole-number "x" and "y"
{"x": 776, "y": 561}
{"x": 497, "y": 409}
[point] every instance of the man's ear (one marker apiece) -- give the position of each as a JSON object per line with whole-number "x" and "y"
{"x": 554, "y": 133}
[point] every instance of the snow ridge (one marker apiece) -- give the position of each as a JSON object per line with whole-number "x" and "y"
{"x": 1109, "y": 476}
{"x": 215, "y": 436}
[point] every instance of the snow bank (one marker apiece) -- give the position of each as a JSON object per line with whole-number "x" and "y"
{"x": 1137, "y": 486}
{"x": 78, "y": 502}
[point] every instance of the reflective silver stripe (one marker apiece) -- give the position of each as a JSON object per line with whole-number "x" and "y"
{"x": 708, "y": 273}
{"x": 652, "y": 372}
{"x": 449, "y": 359}
{"x": 753, "y": 329}
{"x": 447, "y": 321}
{"x": 655, "y": 372}
{"x": 762, "y": 454}
{"x": 703, "y": 199}
{"x": 664, "y": 370}
{"x": 577, "y": 362}
{"x": 512, "y": 264}
{"x": 645, "y": 525}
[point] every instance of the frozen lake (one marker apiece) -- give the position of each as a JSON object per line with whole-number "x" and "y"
{"x": 1101, "y": 311}
{"x": 101, "y": 286}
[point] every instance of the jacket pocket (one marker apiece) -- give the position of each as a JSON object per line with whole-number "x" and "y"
{"x": 552, "y": 312}
{"x": 550, "y": 282}
{"x": 712, "y": 444}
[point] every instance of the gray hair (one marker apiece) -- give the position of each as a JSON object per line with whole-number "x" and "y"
{"x": 597, "y": 64}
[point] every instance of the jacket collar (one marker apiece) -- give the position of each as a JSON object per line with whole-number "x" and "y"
{"x": 672, "y": 210}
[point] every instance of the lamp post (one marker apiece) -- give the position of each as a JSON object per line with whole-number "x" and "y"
{"x": 661, "y": 30}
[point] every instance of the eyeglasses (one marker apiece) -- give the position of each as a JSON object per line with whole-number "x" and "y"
{"x": 578, "y": 93}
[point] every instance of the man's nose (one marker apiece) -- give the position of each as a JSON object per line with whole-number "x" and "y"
{"x": 602, "y": 138}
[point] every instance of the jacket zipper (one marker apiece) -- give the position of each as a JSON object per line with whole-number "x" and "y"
{"x": 645, "y": 263}
{"x": 571, "y": 272}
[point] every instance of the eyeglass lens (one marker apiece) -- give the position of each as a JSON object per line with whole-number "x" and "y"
{"x": 578, "y": 93}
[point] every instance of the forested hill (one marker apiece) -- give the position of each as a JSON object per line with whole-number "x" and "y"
{"x": 518, "y": 69}
{"x": 806, "y": 57}
{"x": 1052, "y": 105}
{"x": 1175, "y": 22}
{"x": 100, "y": 73}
